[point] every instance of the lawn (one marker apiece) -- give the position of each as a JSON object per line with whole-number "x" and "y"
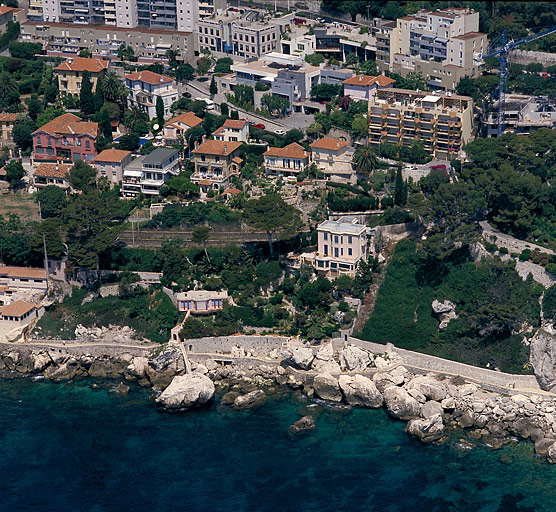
{"x": 21, "y": 204}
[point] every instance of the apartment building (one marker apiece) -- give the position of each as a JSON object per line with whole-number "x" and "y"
{"x": 68, "y": 39}
{"x": 51, "y": 174}
{"x": 147, "y": 174}
{"x": 362, "y": 87}
{"x": 333, "y": 158}
{"x": 443, "y": 122}
{"x": 145, "y": 86}
{"x": 65, "y": 139}
{"x": 181, "y": 15}
{"x": 287, "y": 161}
{"x": 442, "y": 45}
{"x": 216, "y": 162}
{"x": 299, "y": 44}
{"x": 177, "y": 126}
{"x": 70, "y": 73}
{"x": 232, "y": 131}
{"x": 523, "y": 114}
{"x": 382, "y": 31}
{"x": 287, "y": 75}
{"x": 339, "y": 41}
{"x": 342, "y": 244}
{"x": 211, "y": 7}
{"x": 110, "y": 164}
{"x": 7, "y": 122}
{"x": 240, "y": 34}
{"x": 201, "y": 301}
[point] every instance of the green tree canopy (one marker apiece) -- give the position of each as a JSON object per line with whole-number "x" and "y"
{"x": 14, "y": 173}
{"x": 82, "y": 176}
{"x": 52, "y": 201}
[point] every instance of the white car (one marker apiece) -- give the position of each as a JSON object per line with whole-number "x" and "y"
{"x": 279, "y": 131}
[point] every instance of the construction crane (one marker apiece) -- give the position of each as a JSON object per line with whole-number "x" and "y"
{"x": 501, "y": 47}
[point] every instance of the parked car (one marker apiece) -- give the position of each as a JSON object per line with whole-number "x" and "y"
{"x": 260, "y": 126}
{"x": 186, "y": 95}
{"x": 279, "y": 132}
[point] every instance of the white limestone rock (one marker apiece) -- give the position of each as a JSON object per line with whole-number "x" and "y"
{"x": 354, "y": 359}
{"x": 300, "y": 357}
{"x": 186, "y": 391}
{"x": 426, "y": 430}
{"x": 400, "y": 404}
{"x": 359, "y": 390}
{"x": 327, "y": 387}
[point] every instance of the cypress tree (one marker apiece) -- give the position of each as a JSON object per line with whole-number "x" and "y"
{"x": 160, "y": 111}
{"x": 400, "y": 189}
{"x": 86, "y": 98}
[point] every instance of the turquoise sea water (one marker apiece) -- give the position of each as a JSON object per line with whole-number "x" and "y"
{"x": 68, "y": 447}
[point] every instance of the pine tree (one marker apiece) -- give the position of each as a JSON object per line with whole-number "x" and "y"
{"x": 213, "y": 89}
{"x": 160, "y": 111}
{"x": 86, "y": 98}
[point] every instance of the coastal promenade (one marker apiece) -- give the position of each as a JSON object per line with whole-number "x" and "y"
{"x": 489, "y": 379}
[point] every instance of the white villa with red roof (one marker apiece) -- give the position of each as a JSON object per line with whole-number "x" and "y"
{"x": 178, "y": 125}
{"x": 145, "y": 86}
{"x": 290, "y": 160}
{"x": 333, "y": 158}
{"x": 232, "y": 131}
{"x": 362, "y": 87}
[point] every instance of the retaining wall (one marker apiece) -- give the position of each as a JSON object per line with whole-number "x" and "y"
{"x": 257, "y": 345}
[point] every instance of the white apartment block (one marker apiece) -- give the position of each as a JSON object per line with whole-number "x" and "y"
{"x": 442, "y": 45}
{"x": 181, "y": 15}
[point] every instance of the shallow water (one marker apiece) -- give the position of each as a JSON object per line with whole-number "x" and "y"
{"x": 70, "y": 447}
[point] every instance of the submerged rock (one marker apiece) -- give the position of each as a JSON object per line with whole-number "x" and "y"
{"x": 186, "y": 391}
{"x": 302, "y": 425}
{"x": 250, "y": 400}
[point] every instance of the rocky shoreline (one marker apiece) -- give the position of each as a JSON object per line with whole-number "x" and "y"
{"x": 433, "y": 405}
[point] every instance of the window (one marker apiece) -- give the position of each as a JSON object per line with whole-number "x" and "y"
{"x": 336, "y": 252}
{"x": 350, "y": 252}
{"x": 326, "y": 250}
{"x": 349, "y": 239}
{"x": 336, "y": 239}
{"x": 325, "y": 235}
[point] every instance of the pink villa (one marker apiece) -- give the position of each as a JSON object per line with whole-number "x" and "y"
{"x": 362, "y": 87}
{"x": 65, "y": 139}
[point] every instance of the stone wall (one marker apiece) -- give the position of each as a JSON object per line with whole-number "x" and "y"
{"x": 525, "y": 57}
{"x": 399, "y": 231}
{"x": 256, "y": 345}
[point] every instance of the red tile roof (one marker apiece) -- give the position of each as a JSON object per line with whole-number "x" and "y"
{"x": 366, "y": 80}
{"x": 81, "y": 64}
{"x": 8, "y": 117}
{"x": 217, "y": 147}
{"x": 187, "y": 118}
{"x": 111, "y": 155}
{"x": 149, "y": 77}
{"x": 17, "y": 308}
{"x": 25, "y": 272}
{"x": 293, "y": 150}
{"x": 69, "y": 124}
{"x": 329, "y": 143}
{"x": 233, "y": 123}
{"x": 234, "y": 191}
{"x": 51, "y": 170}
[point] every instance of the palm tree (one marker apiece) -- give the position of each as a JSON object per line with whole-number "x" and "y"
{"x": 364, "y": 160}
{"x": 7, "y": 84}
{"x": 133, "y": 116}
{"x": 112, "y": 88}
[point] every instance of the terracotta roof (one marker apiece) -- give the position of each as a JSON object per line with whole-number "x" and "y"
{"x": 51, "y": 170}
{"x": 17, "y": 308}
{"x": 188, "y": 118}
{"x": 329, "y": 143}
{"x": 149, "y": 77}
{"x": 234, "y": 191}
{"x": 82, "y": 64}
{"x": 366, "y": 80}
{"x": 217, "y": 147}
{"x": 293, "y": 150}
{"x": 111, "y": 155}
{"x": 233, "y": 123}
{"x": 219, "y": 131}
{"x": 3, "y": 172}
{"x": 8, "y": 117}
{"x": 69, "y": 124}
{"x": 25, "y": 272}
{"x": 205, "y": 182}
{"x": 4, "y": 9}
{"x": 237, "y": 160}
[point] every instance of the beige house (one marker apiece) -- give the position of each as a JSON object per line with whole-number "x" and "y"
{"x": 7, "y": 122}
{"x": 17, "y": 315}
{"x": 232, "y": 130}
{"x": 342, "y": 244}
{"x": 362, "y": 87}
{"x": 177, "y": 126}
{"x": 145, "y": 86}
{"x": 201, "y": 301}
{"x": 70, "y": 73}
{"x": 443, "y": 122}
{"x": 51, "y": 174}
{"x": 110, "y": 164}
{"x": 287, "y": 161}
{"x": 333, "y": 158}
{"x": 216, "y": 162}
{"x": 27, "y": 278}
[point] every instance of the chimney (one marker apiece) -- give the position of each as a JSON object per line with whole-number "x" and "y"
{"x": 225, "y": 149}
{"x": 337, "y": 143}
{"x": 383, "y": 74}
{"x": 360, "y": 78}
{"x": 204, "y": 139}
